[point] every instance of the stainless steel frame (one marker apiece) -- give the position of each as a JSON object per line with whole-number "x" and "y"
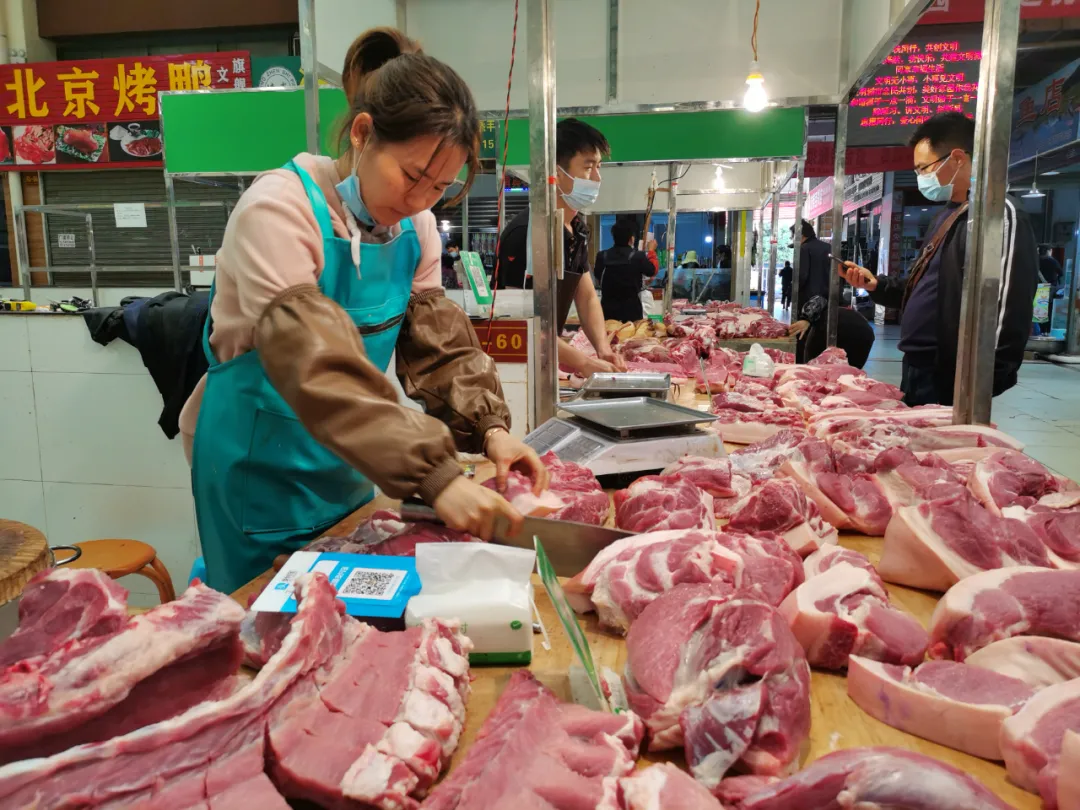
{"x": 989, "y": 175}
{"x": 796, "y": 251}
{"x": 773, "y": 246}
{"x": 546, "y": 239}
{"x": 174, "y": 231}
{"x": 762, "y": 281}
{"x": 309, "y": 63}
{"x": 833, "y": 314}
{"x": 669, "y": 236}
{"x": 627, "y": 108}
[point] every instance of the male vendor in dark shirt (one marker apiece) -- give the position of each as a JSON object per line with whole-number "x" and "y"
{"x": 579, "y": 149}
{"x": 621, "y": 272}
{"x": 929, "y": 297}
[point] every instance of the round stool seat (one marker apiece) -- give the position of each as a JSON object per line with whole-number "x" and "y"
{"x": 120, "y": 558}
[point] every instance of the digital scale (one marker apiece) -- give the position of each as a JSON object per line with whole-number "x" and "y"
{"x": 626, "y": 435}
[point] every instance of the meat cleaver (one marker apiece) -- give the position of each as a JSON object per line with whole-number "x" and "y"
{"x": 570, "y": 546}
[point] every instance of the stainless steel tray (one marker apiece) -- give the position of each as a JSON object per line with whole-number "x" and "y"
{"x": 627, "y": 384}
{"x": 629, "y": 414}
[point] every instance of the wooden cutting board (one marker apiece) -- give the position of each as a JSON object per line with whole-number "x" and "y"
{"x": 23, "y": 553}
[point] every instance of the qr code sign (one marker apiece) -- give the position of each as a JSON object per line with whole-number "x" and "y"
{"x": 370, "y": 583}
{"x": 287, "y": 581}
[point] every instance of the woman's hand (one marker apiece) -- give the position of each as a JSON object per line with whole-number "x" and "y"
{"x": 609, "y": 356}
{"x": 798, "y": 329}
{"x": 468, "y": 507}
{"x": 858, "y": 276}
{"x": 509, "y": 453}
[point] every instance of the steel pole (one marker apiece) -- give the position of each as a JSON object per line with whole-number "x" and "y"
{"x": 673, "y": 188}
{"x": 974, "y": 385}
{"x": 546, "y": 240}
{"x": 772, "y": 249}
{"x": 310, "y": 65}
{"x": 465, "y": 223}
{"x": 762, "y": 281}
{"x": 174, "y": 231}
{"x": 837, "y": 221}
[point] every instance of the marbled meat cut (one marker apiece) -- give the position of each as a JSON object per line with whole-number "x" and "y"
{"x": 537, "y": 753}
{"x": 954, "y": 705}
{"x": 937, "y": 543}
{"x": 660, "y": 786}
{"x": 211, "y": 756}
{"x": 93, "y": 688}
{"x": 995, "y": 605}
{"x": 519, "y": 492}
{"x": 845, "y": 611}
{"x": 829, "y": 556}
{"x": 739, "y": 427}
{"x": 658, "y": 502}
{"x": 1038, "y": 661}
{"x": 61, "y": 605}
{"x": 781, "y": 507}
{"x": 1057, "y": 526}
{"x": 760, "y": 461}
{"x": 385, "y": 533}
{"x": 876, "y": 778}
{"x": 1010, "y": 478}
{"x": 629, "y": 574}
{"x": 1031, "y": 740}
{"x": 576, "y": 486}
{"x": 713, "y": 475}
{"x": 908, "y": 481}
{"x": 725, "y": 679}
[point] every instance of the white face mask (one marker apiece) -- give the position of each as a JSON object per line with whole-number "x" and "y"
{"x": 584, "y": 193}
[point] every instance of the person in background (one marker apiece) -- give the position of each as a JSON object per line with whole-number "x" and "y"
{"x": 853, "y": 333}
{"x": 621, "y": 272}
{"x": 449, "y": 257}
{"x": 327, "y": 268}
{"x": 579, "y": 150}
{"x": 929, "y": 298}
{"x": 1051, "y": 273}
{"x": 785, "y": 285}
{"x": 814, "y": 266}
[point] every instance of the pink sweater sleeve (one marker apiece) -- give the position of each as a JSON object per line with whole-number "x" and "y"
{"x": 429, "y": 272}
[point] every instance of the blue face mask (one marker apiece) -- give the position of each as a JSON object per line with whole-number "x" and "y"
{"x": 349, "y": 191}
{"x": 933, "y": 189}
{"x": 584, "y": 193}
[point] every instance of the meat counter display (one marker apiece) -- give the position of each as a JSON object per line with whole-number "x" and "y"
{"x": 883, "y": 603}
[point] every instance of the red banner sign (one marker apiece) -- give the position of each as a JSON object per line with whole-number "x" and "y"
{"x": 966, "y": 11}
{"x": 100, "y": 112}
{"x": 509, "y": 340}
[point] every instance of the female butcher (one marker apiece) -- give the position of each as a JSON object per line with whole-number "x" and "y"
{"x": 328, "y": 267}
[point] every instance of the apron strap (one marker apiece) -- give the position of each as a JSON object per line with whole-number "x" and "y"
{"x": 207, "y": 326}
{"x": 317, "y": 199}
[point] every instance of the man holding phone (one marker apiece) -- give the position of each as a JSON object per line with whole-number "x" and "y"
{"x": 815, "y": 270}
{"x": 929, "y": 297}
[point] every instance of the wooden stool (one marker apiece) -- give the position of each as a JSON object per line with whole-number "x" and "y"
{"x": 119, "y": 558}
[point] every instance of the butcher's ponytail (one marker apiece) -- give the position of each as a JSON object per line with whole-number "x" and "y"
{"x": 409, "y": 94}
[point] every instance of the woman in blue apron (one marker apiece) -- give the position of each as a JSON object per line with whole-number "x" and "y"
{"x": 327, "y": 268}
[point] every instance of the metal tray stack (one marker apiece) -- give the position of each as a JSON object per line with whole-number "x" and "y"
{"x": 634, "y": 417}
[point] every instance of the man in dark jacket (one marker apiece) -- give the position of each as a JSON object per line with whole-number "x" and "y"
{"x": 929, "y": 297}
{"x": 815, "y": 268}
{"x": 1051, "y": 273}
{"x": 621, "y": 272}
{"x": 785, "y": 285}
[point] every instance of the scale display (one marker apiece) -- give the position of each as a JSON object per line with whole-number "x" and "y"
{"x": 932, "y": 71}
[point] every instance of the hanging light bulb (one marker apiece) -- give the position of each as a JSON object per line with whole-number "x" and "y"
{"x": 756, "y": 99}
{"x": 1034, "y": 191}
{"x": 718, "y": 180}
{"x": 446, "y": 226}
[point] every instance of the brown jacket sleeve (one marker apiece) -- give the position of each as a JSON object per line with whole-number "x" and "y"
{"x": 314, "y": 357}
{"x": 440, "y": 362}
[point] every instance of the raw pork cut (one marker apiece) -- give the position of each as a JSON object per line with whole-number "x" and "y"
{"x": 1068, "y": 790}
{"x": 833, "y": 355}
{"x": 828, "y": 556}
{"x": 630, "y": 573}
{"x": 62, "y": 605}
{"x": 385, "y": 533}
{"x": 876, "y": 778}
{"x": 846, "y": 501}
{"x": 1056, "y": 521}
{"x": 658, "y": 502}
{"x": 1031, "y": 739}
{"x": 938, "y": 543}
{"x": 660, "y": 786}
{"x": 739, "y": 427}
{"x": 995, "y": 605}
{"x": 713, "y": 475}
{"x": 1036, "y": 660}
{"x": 195, "y": 759}
{"x": 909, "y": 481}
{"x": 761, "y": 460}
{"x": 519, "y": 492}
{"x": 536, "y": 753}
{"x": 577, "y": 487}
{"x": 952, "y": 704}
{"x": 845, "y": 611}
{"x": 746, "y": 403}
{"x": 79, "y": 681}
{"x": 1009, "y": 478}
{"x": 780, "y": 506}
{"x": 726, "y": 679}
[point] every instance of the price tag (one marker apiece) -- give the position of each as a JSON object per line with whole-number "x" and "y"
{"x": 129, "y": 215}
{"x": 65, "y": 240}
{"x": 509, "y": 340}
{"x": 569, "y": 622}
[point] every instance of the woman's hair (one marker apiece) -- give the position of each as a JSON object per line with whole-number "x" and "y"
{"x": 409, "y": 94}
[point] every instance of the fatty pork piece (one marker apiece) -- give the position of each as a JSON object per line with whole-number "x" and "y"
{"x": 759, "y": 461}
{"x": 1032, "y": 739}
{"x": 780, "y": 506}
{"x": 955, "y": 705}
{"x": 519, "y": 492}
{"x": 996, "y": 605}
{"x": 1009, "y": 478}
{"x": 1036, "y": 660}
{"x": 1056, "y": 521}
{"x": 657, "y": 502}
{"x": 907, "y": 480}
{"x": 725, "y": 679}
{"x": 628, "y": 575}
{"x": 659, "y": 786}
{"x": 713, "y": 475}
{"x": 876, "y": 778}
{"x": 386, "y": 534}
{"x": 537, "y": 753}
{"x": 1068, "y": 789}
{"x": 938, "y": 543}
{"x": 739, "y": 427}
{"x": 576, "y": 486}
{"x": 845, "y": 611}
{"x": 829, "y": 556}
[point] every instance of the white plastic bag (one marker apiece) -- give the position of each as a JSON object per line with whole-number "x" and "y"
{"x": 757, "y": 363}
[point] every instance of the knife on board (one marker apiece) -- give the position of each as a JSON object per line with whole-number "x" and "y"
{"x": 570, "y": 546}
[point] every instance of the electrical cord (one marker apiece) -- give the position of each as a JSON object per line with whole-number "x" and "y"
{"x": 502, "y": 180}
{"x": 753, "y": 36}
{"x": 677, "y": 179}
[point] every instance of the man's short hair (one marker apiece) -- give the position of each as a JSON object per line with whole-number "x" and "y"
{"x": 453, "y": 241}
{"x": 946, "y": 131}
{"x": 622, "y": 232}
{"x": 808, "y": 231}
{"x": 573, "y": 136}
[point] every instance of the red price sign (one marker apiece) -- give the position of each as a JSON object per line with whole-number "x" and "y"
{"x": 509, "y": 340}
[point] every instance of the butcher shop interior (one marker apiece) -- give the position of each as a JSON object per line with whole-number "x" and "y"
{"x": 555, "y": 404}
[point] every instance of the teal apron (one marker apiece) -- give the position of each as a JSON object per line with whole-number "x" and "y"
{"x": 263, "y": 486}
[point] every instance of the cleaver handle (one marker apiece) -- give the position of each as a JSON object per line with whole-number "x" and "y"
{"x": 418, "y": 512}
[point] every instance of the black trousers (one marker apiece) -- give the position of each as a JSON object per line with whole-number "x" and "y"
{"x": 785, "y": 295}
{"x": 919, "y": 383}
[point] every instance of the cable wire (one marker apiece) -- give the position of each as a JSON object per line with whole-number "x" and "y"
{"x": 753, "y": 37}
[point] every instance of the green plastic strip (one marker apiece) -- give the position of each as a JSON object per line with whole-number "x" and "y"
{"x": 501, "y": 659}
{"x": 477, "y": 275}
